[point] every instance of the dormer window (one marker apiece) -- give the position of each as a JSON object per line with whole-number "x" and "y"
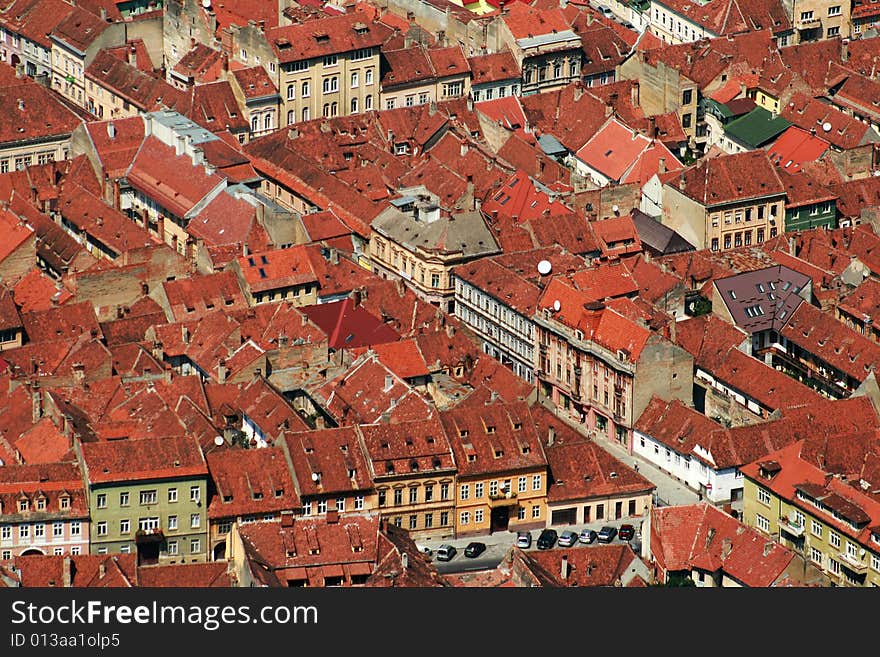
{"x": 23, "y": 505}
{"x": 490, "y": 429}
{"x": 279, "y": 492}
{"x": 322, "y": 38}
{"x": 258, "y": 495}
{"x": 351, "y": 473}
{"x": 499, "y": 453}
{"x": 471, "y": 458}
{"x": 227, "y": 498}
{"x": 64, "y": 502}
{"x": 41, "y": 504}
{"x": 462, "y": 433}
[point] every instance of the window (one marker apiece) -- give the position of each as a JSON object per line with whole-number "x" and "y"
{"x": 124, "y": 526}
{"x": 493, "y": 488}
{"x": 687, "y": 96}
{"x": 815, "y": 529}
{"x": 57, "y": 529}
{"x": 875, "y": 562}
{"x": 41, "y": 504}
{"x": 382, "y": 499}
{"x": 521, "y": 485}
{"x": 6, "y": 555}
{"x": 307, "y": 508}
{"x": 75, "y": 528}
{"x": 340, "y": 504}
{"x": 727, "y": 241}
{"x": 305, "y": 90}
{"x": 536, "y": 482}
{"x": 413, "y": 521}
{"x": 444, "y": 518}
{"x": 39, "y": 530}
{"x": 101, "y": 501}
{"x": 444, "y": 491}
{"x": 195, "y": 546}
{"x": 410, "y": 100}
{"x": 322, "y": 506}
{"x": 423, "y": 98}
{"x": 429, "y": 520}
{"x": 464, "y": 492}
{"x": 834, "y": 566}
{"x": 195, "y": 520}
{"x": 478, "y": 490}
{"x": 389, "y": 103}
{"x": 172, "y": 522}
{"x": 172, "y": 495}
{"x": 834, "y": 11}
{"x": 429, "y": 493}
{"x": 834, "y": 539}
{"x": 478, "y": 516}
{"x": 148, "y": 497}
{"x": 536, "y": 511}
{"x": 172, "y": 547}
{"x": 355, "y": 80}
{"x": 368, "y": 102}
{"x": 806, "y": 15}
{"x": 368, "y": 76}
{"x": 763, "y": 496}
{"x": 762, "y": 523}
{"x": 714, "y": 243}
{"x": 331, "y": 84}
{"x": 833, "y": 31}
{"x": 306, "y": 114}
{"x": 6, "y": 533}
{"x": 464, "y": 518}
{"x": 816, "y": 555}
{"x": 148, "y": 524}
{"x": 123, "y": 499}
{"x": 101, "y": 528}
{"x": 398, "y": 497}
{"x": 413, "y": 495}
{"x": 195, "y": 494}
{"x": 331, "y": 60}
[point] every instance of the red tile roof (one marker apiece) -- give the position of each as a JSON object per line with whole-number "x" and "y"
{"x": 493, "y": 438}
{"x": 87, "y": 570}
{"x": 349, "y": 326}
{"x": 194, "y": 297}
{"x": 79, "y": 29}
{"x": 37, "y": 291}
{"x": 250, "y": 482}
{"x": 524, "y": 21}
{"x": 326, "y": 36}
{"x": 280, "y": 268}
{"x": 493, "y": 67}
{"x": 57, "y": 324}
{"x": 599, "y": 565}
{"x": 143, "y": 459}
{"x": 812, "y": 115}
{"x": 254, "y": 82}
{"x": 179, "y": 194}
{"x": 403, "y": 357}
{"x": 405, "y": 448}
{"x": 30, "y": 111}
{"x": 189, "y": 575}
{"x": 795, "y": 146}
{"x": 732, "y": 178}
{"x": 705, "y": 538}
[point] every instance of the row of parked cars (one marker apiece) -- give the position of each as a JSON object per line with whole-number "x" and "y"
{"x": 550, "y": 537}
{"x": 546, "y": 540}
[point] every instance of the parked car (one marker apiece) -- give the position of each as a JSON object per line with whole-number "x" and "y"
{"x": 606, "y": 534}
{"x": 446, "y": 552}
{"x": 587, "y": 536}
{"x": 626, "y": 532}
{"x": 524, "y": 540}
{"x": 547, "y": 539}
{"x": 474, "y": 549}
{"x": 567, "y": 538}
{"x": 424, "y": 549}
{"x": 605, "y": 11}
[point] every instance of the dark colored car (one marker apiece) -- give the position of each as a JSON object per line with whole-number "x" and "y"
{"x": 474, "y": 549}
{"x": 587, "y": 536}
{"x": 607, "y": 534}
{"x": 547, "y": 539}
{"x": 626, "y": 532}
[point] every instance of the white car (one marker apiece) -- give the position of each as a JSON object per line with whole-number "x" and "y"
{"x": 567, "y": 538}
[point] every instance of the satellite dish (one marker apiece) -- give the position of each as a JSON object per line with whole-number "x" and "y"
{"x": 218, "y": 440}
{"x": 206, "y": 4}
{"x": 315, "y": 476}
{"x": 544, "y": 267}
{"x": 615, "y": 209}
{"x": 557, "y": 305}
{"x": 826, "y": 126}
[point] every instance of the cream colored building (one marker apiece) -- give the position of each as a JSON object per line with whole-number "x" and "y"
{"x": 819, "y": 19}
{"x": 413, "y": 242}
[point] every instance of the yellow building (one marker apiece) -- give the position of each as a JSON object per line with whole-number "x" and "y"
{"x": 502, "y": 469}
{"x": 420, "y": 248}
{"x": 413, "y": 469}
{"x": 328, "y": 67}
{"x": 831, "y": 522}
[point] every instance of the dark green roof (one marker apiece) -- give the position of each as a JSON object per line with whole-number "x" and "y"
{"x": 756, "y": 128}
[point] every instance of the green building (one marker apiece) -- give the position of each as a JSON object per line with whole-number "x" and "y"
{"x": 808, "y": 203}
{"x": 147, "y": 496}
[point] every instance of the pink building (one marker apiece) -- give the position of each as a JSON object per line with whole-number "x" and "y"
{"x": 599, "y": 365}
{"x": 43, "y": 510}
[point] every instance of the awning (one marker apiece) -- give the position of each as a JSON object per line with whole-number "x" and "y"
{"x": 70, "y": 78}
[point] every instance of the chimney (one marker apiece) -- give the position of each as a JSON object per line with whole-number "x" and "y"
{"x": 132, "y": 55}
{"x": 37, "y": 401}
{"x": 222, "y": 371}
{"x": 20, "y": 105}
{"x": 389, "y": 383}
{"x": 103, "y": 13}
{"x": 551, "y": 435}
{"x": 464, "y": 148}
{"x": 102, "y": 570}
{"x": 287, "y": 519}
{"x": 184, "y": 334}
{"x": 404, "y": 560}
{"x": 332, "y": 517}
{"x": 66, "y": 575}
{"x": 681, "y": 182}
{"x": 563, "y": 571}
{"x": 661, "y": 165}
{"x": 450, "y": 331}
{"x": 79, "y": 372}
{"x": 844, "y": 50}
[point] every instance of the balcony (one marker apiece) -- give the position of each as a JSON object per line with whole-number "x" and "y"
{"x": 807, "y": 23}
{"x": 502, "y": 499}
{"x": 147, "y": 536}
{"x": 853, "y": 563}
{"x": 791, "y": 527}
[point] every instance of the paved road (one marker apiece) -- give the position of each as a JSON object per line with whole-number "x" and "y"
{"x": 499, "y": 543}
